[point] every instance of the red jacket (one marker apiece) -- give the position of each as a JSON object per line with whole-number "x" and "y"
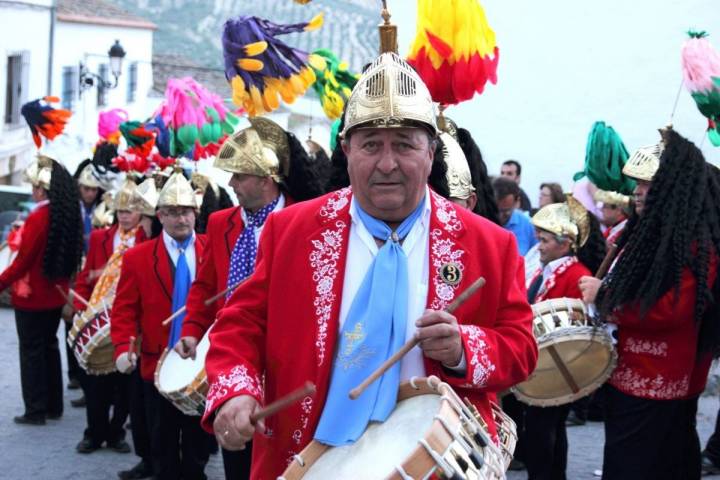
{"x": 99, "y": 252}
{"x": 224, "y": 228}
{"x": 282, "y": 324}
{"x": 38, "y": 292}
{"x": 564, "y": 281}
{"x": 657, "y": 354}
{"x": 144, "y": 300}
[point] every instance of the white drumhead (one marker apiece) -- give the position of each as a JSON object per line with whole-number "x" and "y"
{"x": 177, "y": 373}
{"x": 6, "y": 257}
{"x": 382, "y": 446}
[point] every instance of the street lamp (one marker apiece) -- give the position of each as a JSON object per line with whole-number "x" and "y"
{"x": 88, "y": 78}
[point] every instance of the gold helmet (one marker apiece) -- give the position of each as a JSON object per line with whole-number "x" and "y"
{"x": 177, "y": 192}
{"x": 87, "y": 178}
{"x": 103, "y": 213}
{"x": 124, "y": 196}
{"x": 567, "y": 219}
{"x": 644, "y": 162}
{"x": 612, "y": 198}
{"x": 458, "y": 171}
{"x": 275, "y": 138}
{"x": 244, "y": 152}
{"x": 390, "y": 94}
{"x": 145, "y": 198}
{"x": 39, "y": 172}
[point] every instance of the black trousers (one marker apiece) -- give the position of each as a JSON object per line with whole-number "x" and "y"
{"x": 545, "y": 442}
{"x": 179, "y": 446}
{"x": 108, "y": 403}
{"x": 237, "y": 464}
{"x": 73, "y": 369}
{"x": 40, "y": 370}
{"x": 650, "y": 439}
{"x": 712, "y": 449}
{"x": 138, "y": 419}
{"x": 515, "y": 409}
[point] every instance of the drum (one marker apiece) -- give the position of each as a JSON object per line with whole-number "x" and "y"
{"x": 430, "y": 431}
{"x": 575, "y": 357}
{"x": 89, "y": 339}
{"x": 183, "y": 380}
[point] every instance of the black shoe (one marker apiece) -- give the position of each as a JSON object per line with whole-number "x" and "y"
{"x": 87, "y": 446}
{"x": 516, "y": 465}
{"x": 78, "y": 402}
{"x": 25, "y": 420}
{"x": 120, "y": 446}
{"x": 573, "y": 420}
{"x": 73, "y": 384}
{"x": 707, "y": 467}
{"x": 142, "y": 470}
{"x": 54, "y": 416}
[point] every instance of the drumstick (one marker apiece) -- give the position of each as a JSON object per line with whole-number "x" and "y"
{"x": 177, "y": 313}
{"x": 283, "y": 402}
{"x": 74, "y": 294}
{"x": 214, "y": 298}
{"x": 66, "y": 297}
{"x": 607, "y": 261}
{"x": 410, "y": 344}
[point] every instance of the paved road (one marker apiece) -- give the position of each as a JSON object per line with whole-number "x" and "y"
{"x": 48, "y": 453}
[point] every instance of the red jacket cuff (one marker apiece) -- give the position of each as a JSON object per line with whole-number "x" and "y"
{"x": 479, "y": 366}
{"x": 239, "y": 381}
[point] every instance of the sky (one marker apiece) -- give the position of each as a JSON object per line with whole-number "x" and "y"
{"x": 565, "y": 64}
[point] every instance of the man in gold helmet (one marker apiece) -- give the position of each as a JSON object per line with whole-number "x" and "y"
{"x": 363, "y": 269}
{"x": 570, "y": 245}
{"x": 154, "y": 283}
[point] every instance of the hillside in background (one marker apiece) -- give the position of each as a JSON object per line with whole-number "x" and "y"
{"x": 193, "y": 28}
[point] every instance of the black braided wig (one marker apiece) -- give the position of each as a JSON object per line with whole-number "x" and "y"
{"x": 679, "y": 228}
{"x": 211, "y": 203}
{"x": 486, "y": 205}
{"x": 64, "y": 249}
{"x": 593, "y": 252}
{"x": 306, "y": 178}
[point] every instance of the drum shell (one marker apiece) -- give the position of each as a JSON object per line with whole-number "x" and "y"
{"x": 190, "y": 399}
{"x": 89, "y": 339}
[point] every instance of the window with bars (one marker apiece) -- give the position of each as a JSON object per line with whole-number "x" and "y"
{"x": 132, "y": 82}
{"x": 102, "y": 93}
{"x": 69, "y": 87}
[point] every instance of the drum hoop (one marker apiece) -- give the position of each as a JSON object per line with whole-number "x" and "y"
{"x": 86, "y": 325}
{"x": 551, "y": 306}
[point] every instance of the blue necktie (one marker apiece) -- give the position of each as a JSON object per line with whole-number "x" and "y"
{"x": 373, "y": 330}
{"x": 242, "y": 259}
{"x": 181, "y": 287}
{"x": 87, "y": 227}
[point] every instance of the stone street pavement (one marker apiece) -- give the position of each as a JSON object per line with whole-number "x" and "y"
{"x": 48, "y": 453}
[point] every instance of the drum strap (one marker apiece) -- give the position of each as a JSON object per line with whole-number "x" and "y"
{"x": 535, "y": 287}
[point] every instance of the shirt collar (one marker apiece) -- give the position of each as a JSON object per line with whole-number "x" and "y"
{"x": 550, "y": 268}
{"x": 41, "y": 203}
{"x": 170, "y": 242}
{"x": 280, "y": 205}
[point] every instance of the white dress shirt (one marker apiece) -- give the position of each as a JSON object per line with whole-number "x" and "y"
{"x": 258, "y": 230}
{"x": 174, "y": 252}
{"x": 362, "y": 249}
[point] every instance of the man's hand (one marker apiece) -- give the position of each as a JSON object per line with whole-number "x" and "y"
{"x": 126, "y": 362}
{"x": 186, "y": 347}
{"x": 232, "y": 424}
{"x": 67, "y": 314}
{"x": 589, "y": 287}
{"x": 439, "y": 337}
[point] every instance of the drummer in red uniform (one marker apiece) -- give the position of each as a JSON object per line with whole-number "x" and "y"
{"x": 109, "y": 391}
{"x": 361, "y": 270}
{"x": 154, "y": 282}
{"x": 615, "y": 208}
{"x": 49, "y": 255}
{"x": 570, "y": 246}
{"x": 660, "y": 295}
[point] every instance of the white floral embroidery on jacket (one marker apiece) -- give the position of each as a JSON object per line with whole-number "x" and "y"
{"x": 658, "y": 387}
{"x": 237, "y": 380}
{"x": 480, "y": 364}
{"x": 658, "y": 349}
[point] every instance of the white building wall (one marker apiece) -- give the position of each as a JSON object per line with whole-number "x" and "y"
{"x": 89, "y": 44}
{"x": 24, "y": 29}
{"x": 565, "y": 64}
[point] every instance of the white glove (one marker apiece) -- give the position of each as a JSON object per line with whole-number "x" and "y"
{"x": 126, "y": 362}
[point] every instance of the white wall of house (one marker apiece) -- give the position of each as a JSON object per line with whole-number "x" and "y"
{"x": 89, "y": 44}
{"x": 24, "y": 34}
